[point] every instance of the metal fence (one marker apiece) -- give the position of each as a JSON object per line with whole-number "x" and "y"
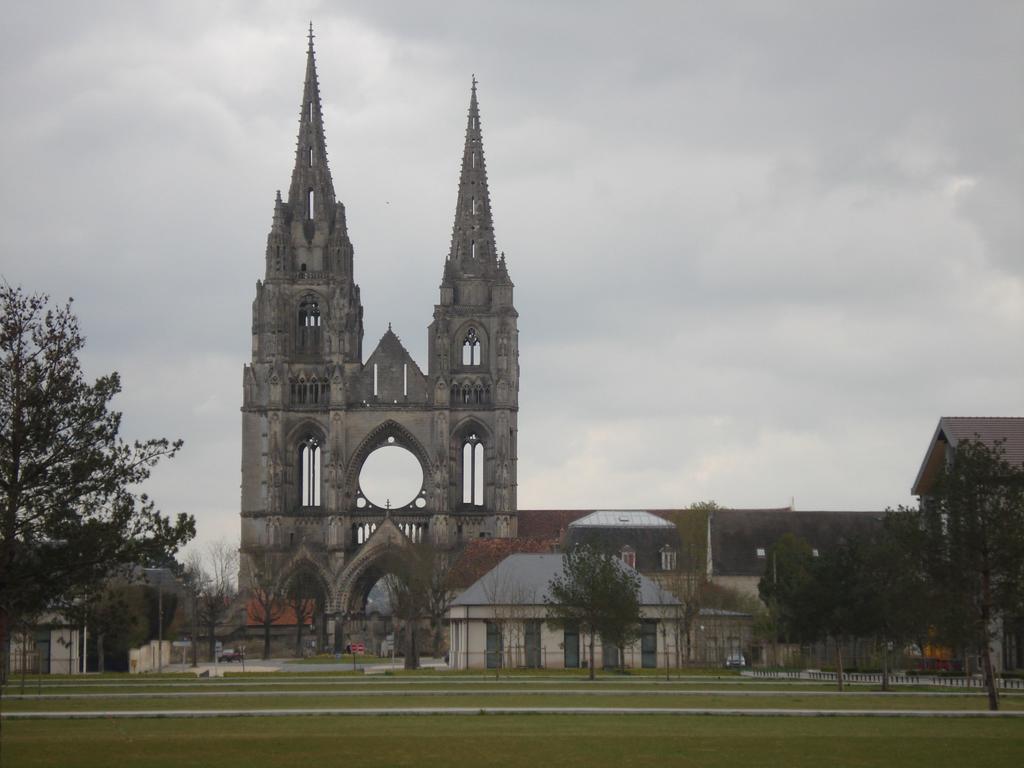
{"x": 1005, "y": 683}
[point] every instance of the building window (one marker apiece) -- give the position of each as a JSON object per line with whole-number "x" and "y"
{"x": 668, "y": 559}
{"x": 471, "y": 348}
{"x": 815, "y": 553}
{"x": 760, "y": 552}
{"x": 473, "y": 471}
{"x": 308, "y": 332}
{"x": 629, "y": 556}
{"x": 310, "y": 392}
{"x": 309, "y": 470}
{"x": 310, "y": 204}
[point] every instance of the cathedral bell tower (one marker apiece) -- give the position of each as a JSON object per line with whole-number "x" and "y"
{"x": 314, "y": 411}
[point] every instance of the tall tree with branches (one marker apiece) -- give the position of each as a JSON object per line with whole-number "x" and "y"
{"x": 598, "y": 594}
{"x": 972, "y": 537}
{"x": 268, "y": 593}
{"x": 70, "y": 511}
{"x": 211, "y": 574}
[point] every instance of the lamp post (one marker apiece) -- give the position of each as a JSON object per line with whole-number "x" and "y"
{"x": 160, "y": 574}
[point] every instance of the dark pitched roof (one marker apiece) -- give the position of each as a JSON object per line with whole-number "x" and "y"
{"x": 738, "y": 534}
{"x": 986, "y": 429}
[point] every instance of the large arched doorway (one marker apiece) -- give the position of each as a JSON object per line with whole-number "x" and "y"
{"x": 306, "y": 599}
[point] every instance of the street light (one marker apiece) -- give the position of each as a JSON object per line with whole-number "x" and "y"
{"x": 161, "y": 573}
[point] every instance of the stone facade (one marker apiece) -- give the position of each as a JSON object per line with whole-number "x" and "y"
{"x": 313, "y": 411}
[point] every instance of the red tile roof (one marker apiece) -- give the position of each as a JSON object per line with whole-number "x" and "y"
{"x": 254, "y": 614}
{"x": 481, "y": 555}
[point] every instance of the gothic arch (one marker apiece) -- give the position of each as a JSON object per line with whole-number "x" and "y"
{"x": 377, "y": 438}
{"x": 469, "y": 424}
{"x": 304, "y": 561}
{"x": 458, "y": 338}
{"x": 306, "y": 427}
{"x": 366, "y": 563}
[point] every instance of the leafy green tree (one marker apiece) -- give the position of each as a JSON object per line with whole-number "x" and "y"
{"x": 836, "y": 601}
{"x": 786, "y": 577}
{"x": 972, "y": 548}
{"x": 895, "y": 586}
{"x": 70, "y": 514}
{"x": 598, "y": 594}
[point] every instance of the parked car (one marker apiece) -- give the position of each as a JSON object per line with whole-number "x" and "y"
{"x": 230, "y": 654}
{"x": 735, "y": 661}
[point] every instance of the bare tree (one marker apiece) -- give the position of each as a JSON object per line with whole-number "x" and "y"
{"x": 687, "y": 579}
{"x": 212, "y": 575}
{"x": 418, "y": 588}
{"x": 302, "y": 596}
{"x": 498, "y": 588}
{"x": 268, "y": 595}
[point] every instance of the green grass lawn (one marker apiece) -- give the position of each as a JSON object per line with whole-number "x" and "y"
{"x": 537, "y": 740}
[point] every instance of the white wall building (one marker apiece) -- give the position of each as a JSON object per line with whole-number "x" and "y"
{"x": 501, "y": 620}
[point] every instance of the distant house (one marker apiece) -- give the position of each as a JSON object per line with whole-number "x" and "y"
{"x": 1007, "y": 432}
{"x": 738, "y": 540}
{"x": 501, "y": 620}
{"x": 951, "y": 430}
{"x": 642, "y": 540}
{"x": 51, "y": 646}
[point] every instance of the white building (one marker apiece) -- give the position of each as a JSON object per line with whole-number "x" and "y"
{"x": 501, "y": 620}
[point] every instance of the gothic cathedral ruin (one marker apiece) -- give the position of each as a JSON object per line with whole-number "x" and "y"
{"x": 314, "y": 411}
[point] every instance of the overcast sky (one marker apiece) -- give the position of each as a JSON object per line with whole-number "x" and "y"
{"x": 759, "y": 248}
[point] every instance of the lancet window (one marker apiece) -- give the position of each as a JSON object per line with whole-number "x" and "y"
{"x": 471, "y": 348}
{"x": 308, "y": 331}
{"x": 310, "y": 457}
{"x": 473, "y": 471}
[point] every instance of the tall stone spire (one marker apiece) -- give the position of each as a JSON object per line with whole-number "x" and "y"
{"x": 311, "y": 195}
{"x": 473, "y": 251}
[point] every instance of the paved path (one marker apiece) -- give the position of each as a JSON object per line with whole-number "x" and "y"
{"x": 487, "y": 692}
{"x": 172, "y": 713}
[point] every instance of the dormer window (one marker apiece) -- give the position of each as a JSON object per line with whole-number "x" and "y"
{"x": 471, "y": 348}
{"x": 629, "y": 556}
{"x": 668, "y": 559}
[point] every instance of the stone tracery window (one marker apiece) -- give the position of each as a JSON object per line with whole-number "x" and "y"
{"x": 473, "y": 471}
{"x": 309, "y": 472}
{"x": 471, "y": 348}
{"x": 311, "y": 392}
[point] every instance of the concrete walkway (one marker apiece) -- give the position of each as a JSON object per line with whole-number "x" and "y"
{"x": 598, "y": 692}
{"x": 335, "y": 712}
